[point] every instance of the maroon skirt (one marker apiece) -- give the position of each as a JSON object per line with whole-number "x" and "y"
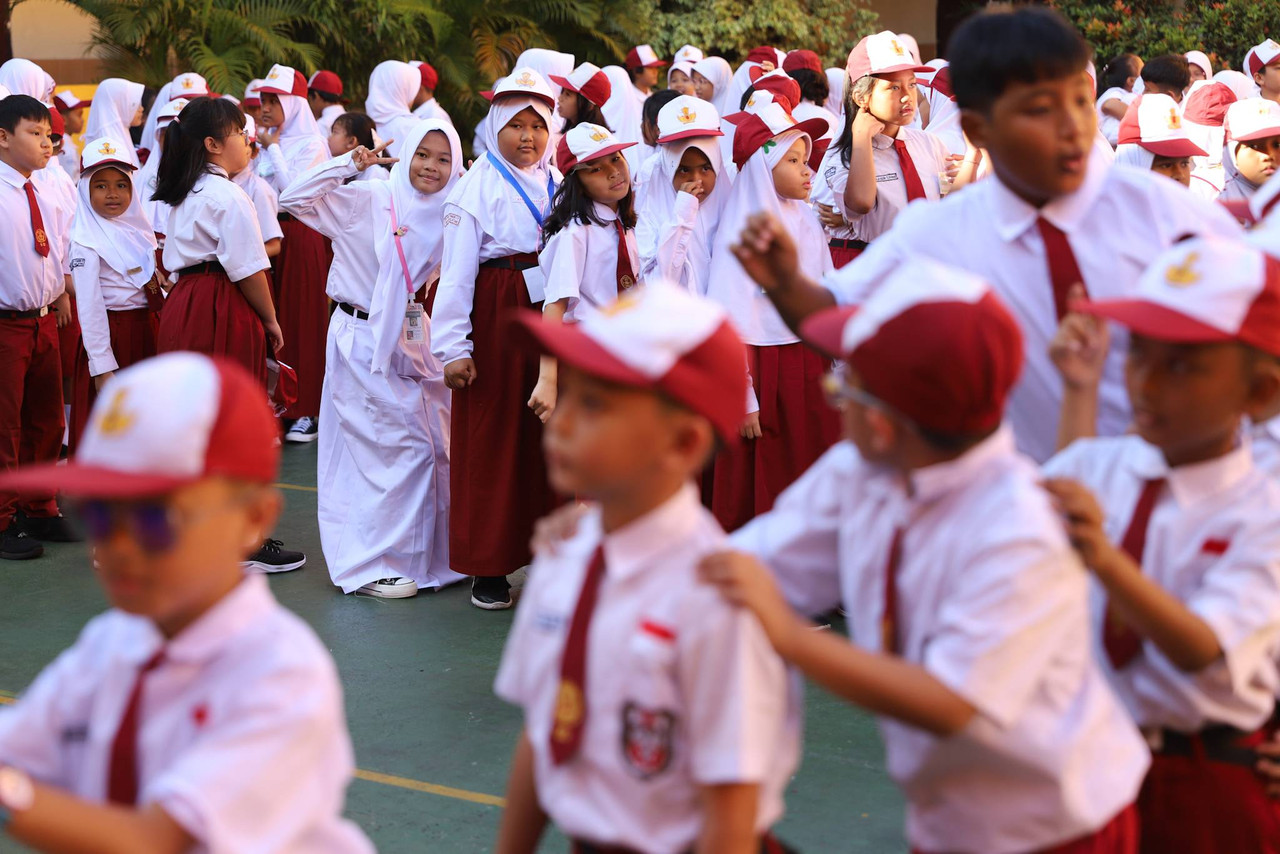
{"x": 207, "y": 313}
{"x": 798, "y": 426}
{"x": 133, "y": 338}
{"x": 69, "y": 342}
{"x": 844, "y": 251}
{"x": 300, "y": 273}
{"x": 497, "y": 474}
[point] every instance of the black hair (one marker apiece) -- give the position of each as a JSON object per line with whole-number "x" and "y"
{"x": 148, "y": 98}
{"x": 1168, "y": 71}
{"x": 654, "y": 104}
{"x": 358, "y": 125}
{"x": 813, "y": 86}
{"x": 635, "y": 71}
{"x": 997, "y": 47}
{"x": 587, "y": 112}
{"x": 15, "y": 108}
{"x": 327, "y": 97}
{"x": 845, "y": 143}
{"x": 572, "y": 204}
{"x": 1117, "y": 72}
{"x": 184, "y": 158}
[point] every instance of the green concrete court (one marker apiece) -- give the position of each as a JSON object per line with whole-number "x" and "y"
{"x": 431, "y": 740}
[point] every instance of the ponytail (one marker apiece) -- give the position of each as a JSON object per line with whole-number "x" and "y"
{"x": 184, "y": 158}
{"x": 861, "y": 87}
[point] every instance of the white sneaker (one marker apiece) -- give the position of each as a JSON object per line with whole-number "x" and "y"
{"x": 390, "y": 588}
{"x": 305, "y": 429}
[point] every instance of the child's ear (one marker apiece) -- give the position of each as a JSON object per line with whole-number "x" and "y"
{"x": 976, "y": 126}
{"x": 1264, "y": 389}
{"x": 212, "y": 146}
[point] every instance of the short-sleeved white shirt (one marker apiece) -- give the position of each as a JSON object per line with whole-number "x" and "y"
{"x": 580, "y": 263}
{"x": 29, "y": 280}
{"x": 215, "y": 222}
{"x": 682, "y": 689}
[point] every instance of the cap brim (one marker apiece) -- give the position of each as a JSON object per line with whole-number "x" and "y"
{"x": 1174, "y": 148}
{"x": 251, "y": 102}
{"x": 1263, "y": 133}
{"x": 114, "y": 164}
{"x": 824, "y": 330}
{"x": 657, "y": 63}
{"x": 570, "y": 345}
{"x": 907, "y": 66}
{"x": 1155, "y": 321}
{"x": 690, "y": 134}
{"x": 89, "y": 482}
{"x": 537, "y": 96}
{"x": 736, "y": 119}
{"x": 816, "y": 128}
{"x": 274, "y": 90}
{"x": 563, "y": 83}
{"x": 1241, "y": 210}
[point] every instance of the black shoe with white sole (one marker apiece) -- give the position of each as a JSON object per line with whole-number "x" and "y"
{"x": 17, "y": 544}
{"x": 305, "y": 429}
{"x": 271, "y": 557}
{"x": 51, "y": 529}
{"x": 491, "y": 594}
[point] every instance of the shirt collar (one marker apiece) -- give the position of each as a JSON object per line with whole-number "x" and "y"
{"x": 883, "y": 141}
{"x": 1012, "y": 215}
{"x": 1191, "y": 484}
{"x": 638, "y": 543}
{"x": 933, "y": 482}
{"x": 11, "y": 176}
{"x": 213, "y": 631}
{"x": 1267, "y": 429}
{"x": 605, "y": 212}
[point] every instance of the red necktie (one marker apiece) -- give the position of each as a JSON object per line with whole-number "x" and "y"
{"x": 571, "y": 700}
{"x": 889, "y": 619}
{"x": 1063, "y": 269}
{"x": 910, "y": 177}
{"x": 122, "y": 772}
{"x": 1120, "y": 641}
{"x": 37, "y": 221}
{"x": 626, "y": 275}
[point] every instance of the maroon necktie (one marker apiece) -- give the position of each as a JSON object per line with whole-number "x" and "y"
{"x": 626, "y": 275}
{"x": 122, "y": 772}
{"x": 910, "y": 177}
{"x": 37, "y": 221}
{"x": 1120, "y": 641}
{"x": 571, "y": 699}
{"x": 1063, "y": 269}
{"x": 889, "y": 619}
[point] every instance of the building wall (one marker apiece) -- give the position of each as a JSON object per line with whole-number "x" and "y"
{"x": 917, "y": 17}
{"x": 58, "y": 37}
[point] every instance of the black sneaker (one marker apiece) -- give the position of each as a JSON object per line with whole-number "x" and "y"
{"x": 51, "y": 529}
{"x": 305, "y": 430}
{"x": 17, "y": 544}
{"x": 271, "y": 557}
{"x": 491, "y": 594}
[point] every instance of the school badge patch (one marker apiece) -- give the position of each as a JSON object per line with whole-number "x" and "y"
{"x": 648, "y": 737}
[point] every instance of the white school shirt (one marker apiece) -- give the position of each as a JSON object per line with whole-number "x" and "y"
{"x": 215, "y": 222}
{"x": 927, "y": 153}
{"x": 580, "y": 263}
{"x": 1117, "y": 223}
{"x": 53, "y": 182}
{"x": 672, "y": 261}
{"x": 806, "y": 110}
{"x": 1237, "y": 188}
{"x": 431, "y": 109}
{"x": 1213, "y": 542}
{"x": 266, "y": 203}
{"x": 327, "y": 115}
{"x": 28, "y": 280}
{"x": 1265, "y": 445}
{"x": 993, "y": 603}
{"x": 280, "y": 167}
{"x": 683, "y": 689}
{"x": 99, "y": 289}
{"x": 1109, "y": 126}
{"x": 242, "y": 737}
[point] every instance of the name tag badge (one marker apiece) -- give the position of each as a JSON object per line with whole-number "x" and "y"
{"x": 536, "y": 283}
{"x": 887, "y": 177}
{"x": 414, "y": 332}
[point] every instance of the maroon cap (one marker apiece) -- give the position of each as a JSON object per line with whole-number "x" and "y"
{"x": 430, "y": 77}
{"x": 799, "y": 59}
{"x": 643, "y": 56}
{"x": 1207, "y": 105}
{"x": 327, "y": 82}
{"x": 764, "y": 53}
{"x": 784, "y": 88}
{"x": 57, "y": 124}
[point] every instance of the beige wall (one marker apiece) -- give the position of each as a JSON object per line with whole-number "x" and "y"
{"x": 57, "y": 36}
{"x": 917, "y": 17}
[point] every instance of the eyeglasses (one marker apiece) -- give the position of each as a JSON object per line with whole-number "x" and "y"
{"x": 840, "y": 394}
{"x": 155, "y": 525}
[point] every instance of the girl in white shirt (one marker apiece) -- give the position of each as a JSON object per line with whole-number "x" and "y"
{"x": 265, "y": 203}
{"x": 1116, "y": 80}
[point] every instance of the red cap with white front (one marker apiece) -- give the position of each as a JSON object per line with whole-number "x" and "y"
{"x": 1153, "y": 122}
{"x": 1207, "y": 104}
{"x": 685, "y": 117}
{"x": 162, "y": 424}
{"x": 1253, "y": 118}
{"x": 643, "y": 56}
{"x": 1260, "y": 56}
{"x": 1202, "y": 291}
{"x": 659, "y": 337}
{"x": 283, "y": 80}
{"x": 104, "y": 152}
{"x": 780, "y": 84}
{"x": 527, "y": 82}
{"x": 327, "y": 82}
{"x": 932, "y": 342}
{"x": 764, "y": 124}
{"x": 252, "y": 97}
{"x": 588, "y": 81}
{"x": 882, "y": 53}
{"x": 68, "y": 101}
{"x": 189, "y": 85}
{"x": 586, "y": 142}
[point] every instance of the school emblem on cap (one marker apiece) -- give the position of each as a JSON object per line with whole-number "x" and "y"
{"x": 897, "y": 48}
{"x": 1183, "y": 275}
{"x": 526, "y": 79}
{"x": 106, "y": 148}
{"x": 116, "y": 419}
{"x": 1175, "y": 121}
{"x": 569, "y": 708}
{"x": 274, "y": 75}
{"x": 685, "y": 117}
{"x": 648, "y": 736}
{"x": 599, "y": 136}
{"x": 186, "y": 83}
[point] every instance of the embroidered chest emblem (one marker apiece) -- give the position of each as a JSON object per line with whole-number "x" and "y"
{"x": 648, "y": 739}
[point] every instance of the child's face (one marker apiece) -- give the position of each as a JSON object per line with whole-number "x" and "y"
{"x": 74, "y": 120}
{"x": 340, "y": 142}
{"x": 792, "y": 177}
{"x": 171, "y": 558}
{"x": 702, "y": 87}
{"x": 893, "y": 98}
{"x": 316, "y": 103}
{"x": 432, "y": 163}
{"x": 1268, "y": 79}
{"x": 647, "y": 78}
{"x": 606, "y": 180}
{"x": 232, "y": 151}
{"x": 524, "y": 138}
{"x": 271, "y": 113}
{"x": 28, "y": 148}
{"x": 1039, "y": 135}
{"x": 139, "y": 116}
{"x": 1197, "y": 73}
{"x": 681, "y": 82}
{"x": 1257, "y": 159}
{"x": 695, "y": 167}
{"x": 568, "y": 103}
{"x": 1177, "y": 168}
{"x": 865, "y": 422}
{"x": 110, "y": 192}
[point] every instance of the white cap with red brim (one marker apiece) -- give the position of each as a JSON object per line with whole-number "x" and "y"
{"x": 685, "y": 117}
{"x": 586, "y": 142}
{"x": 283, "y": 80}
{"x": 882, "y": 53}
{"x": 525, "y": 82}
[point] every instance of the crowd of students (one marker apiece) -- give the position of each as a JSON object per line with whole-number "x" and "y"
{"x": 983, "y": 353}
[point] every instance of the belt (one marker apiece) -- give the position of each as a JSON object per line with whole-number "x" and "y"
{"x": 202, "y": 267}
{"x": 284, "y": 217}
{"x": 847, "y": 244}
{"x": 519, "y": 261}
{"x": 353, "y": 311}
{"x": 768, "y": 845}
{"x": 1216, "y": 743}
{"x": 6, "y": 314}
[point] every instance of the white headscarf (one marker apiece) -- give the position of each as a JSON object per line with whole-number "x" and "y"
{"x": 148, "y": 139}
{"x": 420, "y": 217}
{"x": 115, "y": 103}
{"x": 1199, "y": 58}
{"x": 300, "y": 140}
{"x": 685, "y": 68}
{"x": 124, "y": 243}
{"x": 24, "y": 77}
{"x": 547, "y": 62}
{"x": 836, "y": 78}
{"x": 1236, "y": 81}
{"x": 717, "y": 70}
{"x": 392, "y": 87}
{"x": 657, "y": 212}
{"x": 1134, "y": 155}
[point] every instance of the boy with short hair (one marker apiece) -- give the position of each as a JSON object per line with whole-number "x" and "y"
{"x": 1262, "y": 66}
{"x": 197, "y": 714}
{"x": 1166, "y": 75}
{"x": 1182, "y": 533}
{"x": 657, "y": 719}
{"x": 324, "y": 96}
{"x": 425, "y": 105}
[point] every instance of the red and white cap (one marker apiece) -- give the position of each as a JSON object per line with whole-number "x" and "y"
{"x": 1207, "y": 103}
{"x": 327, "y": 82}
{"x": 1253, "y": 118}
{"x": 763, "y": 124}
{"x": 689, "y": 53}
{"x": 1260, "y": 56}
{"x": 1154, "y": 123}
{"x": 586, "y": 142}
{"x": 427, "y": 73}
{"x": 784, "y": 89}
{"x": 685, "y": 116}
{"x": 251, "y": 128}
{"x": 764, "y": 53}
{"x": 1202, "y": 291}
{"x": 283, "y": 80}
{"x": 882, "y": 53}
{"x": 643, "y": 56}
{"x": 252, "y": 97}
{"x": 68, "y": 101}
{"x": 162, "y": 424}
{"x": 798, "y": 59}
{"x": 658, "y": 337}
{"x": 104, "y": 152}
{"x": 57, "y": 124}
{"x": 189, "y": 85}
{"x": 170, "y": 111}
{"x": 526, "y": 82}
{"x": 932, "y": 342}
{"x": 588, "y": 81}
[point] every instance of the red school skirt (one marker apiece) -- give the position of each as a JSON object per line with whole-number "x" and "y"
{"x": 207, "y": 313}
{"x": 497, "y": 474}
{"x": 69, "y": 342}
{"x": 798, "y": 426}
{"x": 844, "y": 251}
{"x": 133, "y": 338}
{"x": 300, "y": 273}
{"x": 1118, "y": 836}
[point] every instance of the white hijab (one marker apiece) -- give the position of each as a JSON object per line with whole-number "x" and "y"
{"x": 115, "y": 103}
{"x": 124, "y": 243}
{"x": 420, "y": 216}
{"x": 24, "y": 77}
{"x": 392, "y": 87}
{"x": 836, "y": 79}
{"x": 657, "y": 213}
{"x": 148, "y": 140}
{"x": 1133, "y": 155}
{"x": 547, "y": 62}
{"x": 717, "y": 70}
{"x": 300, "y": 140}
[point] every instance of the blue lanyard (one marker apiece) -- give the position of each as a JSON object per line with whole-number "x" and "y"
{"x": 538, "y": 215}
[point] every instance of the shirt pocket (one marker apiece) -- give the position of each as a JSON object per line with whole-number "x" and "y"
{"x": 650, "y": 710}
